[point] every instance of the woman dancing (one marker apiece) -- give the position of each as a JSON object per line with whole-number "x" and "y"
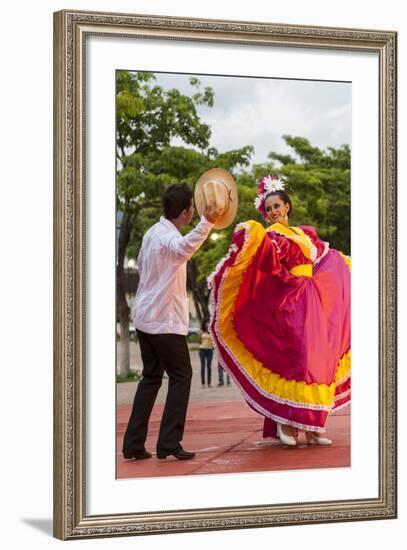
{"x": 281, "y": 320}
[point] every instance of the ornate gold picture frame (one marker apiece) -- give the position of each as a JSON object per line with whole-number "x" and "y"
{"x": 72, "y": 30}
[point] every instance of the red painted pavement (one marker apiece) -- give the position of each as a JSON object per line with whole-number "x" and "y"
{"x": 227, "y": 437}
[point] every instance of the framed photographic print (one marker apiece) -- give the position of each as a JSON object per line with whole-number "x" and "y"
{"x": 142, "y": 102}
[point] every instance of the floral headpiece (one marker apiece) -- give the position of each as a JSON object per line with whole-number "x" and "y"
{"x": 267, "y": 185}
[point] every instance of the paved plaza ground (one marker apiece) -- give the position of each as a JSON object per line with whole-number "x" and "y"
{"x": 225, "y": 434}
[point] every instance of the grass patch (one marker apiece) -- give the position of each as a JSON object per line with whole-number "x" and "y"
{"x": 131, "y": 377}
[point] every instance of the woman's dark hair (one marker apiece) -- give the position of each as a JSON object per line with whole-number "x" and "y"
{"x": 285, "y": 197}
{"x": 177, "y": 197}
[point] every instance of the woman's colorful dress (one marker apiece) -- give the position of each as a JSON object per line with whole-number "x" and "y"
{"x": 281, "y": 323}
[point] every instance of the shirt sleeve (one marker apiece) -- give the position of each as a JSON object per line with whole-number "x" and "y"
{"x": 312, "y": 234}
{"x": 183, "y": 247}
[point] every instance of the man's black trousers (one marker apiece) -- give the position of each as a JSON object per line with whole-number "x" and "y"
{"x": 160, "y": 353}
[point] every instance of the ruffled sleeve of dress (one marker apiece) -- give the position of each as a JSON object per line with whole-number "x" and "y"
{"x": 322, "y": 246}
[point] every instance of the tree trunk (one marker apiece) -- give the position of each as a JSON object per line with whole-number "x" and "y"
{"x": 200, "y": 293}
{"x": 123, "y": 310}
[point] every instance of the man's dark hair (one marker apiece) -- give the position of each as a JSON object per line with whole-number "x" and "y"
{"x": 177, "y": 197}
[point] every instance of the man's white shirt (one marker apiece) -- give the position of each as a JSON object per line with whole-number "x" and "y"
{"x": 161, "y": 301}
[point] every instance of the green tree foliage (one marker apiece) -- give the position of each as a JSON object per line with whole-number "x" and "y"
{"x": 183, "y": 165}
{"x": 148, "y": 118}
{"x": 319, "y": 184}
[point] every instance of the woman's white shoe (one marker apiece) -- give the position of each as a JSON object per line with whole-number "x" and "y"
{"x": 314, "y": 439}
{"x": 284, "y": 438}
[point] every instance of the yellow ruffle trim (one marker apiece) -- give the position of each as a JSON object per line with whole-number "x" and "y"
{"x": 297, "y": 235}
{"x": 343, "y": 369}
{"x": 272, "y": 383}
{"x": 346, "y": 259}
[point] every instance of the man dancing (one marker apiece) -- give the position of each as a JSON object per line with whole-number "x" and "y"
{"x": 161, "y": 320}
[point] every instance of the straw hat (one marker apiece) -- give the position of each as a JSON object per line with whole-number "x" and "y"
{"x": 217, "y": 185}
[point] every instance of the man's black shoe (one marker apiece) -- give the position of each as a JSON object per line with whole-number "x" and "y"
{"x": 179, "y": 453}
{"x": 138, "y": 455}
